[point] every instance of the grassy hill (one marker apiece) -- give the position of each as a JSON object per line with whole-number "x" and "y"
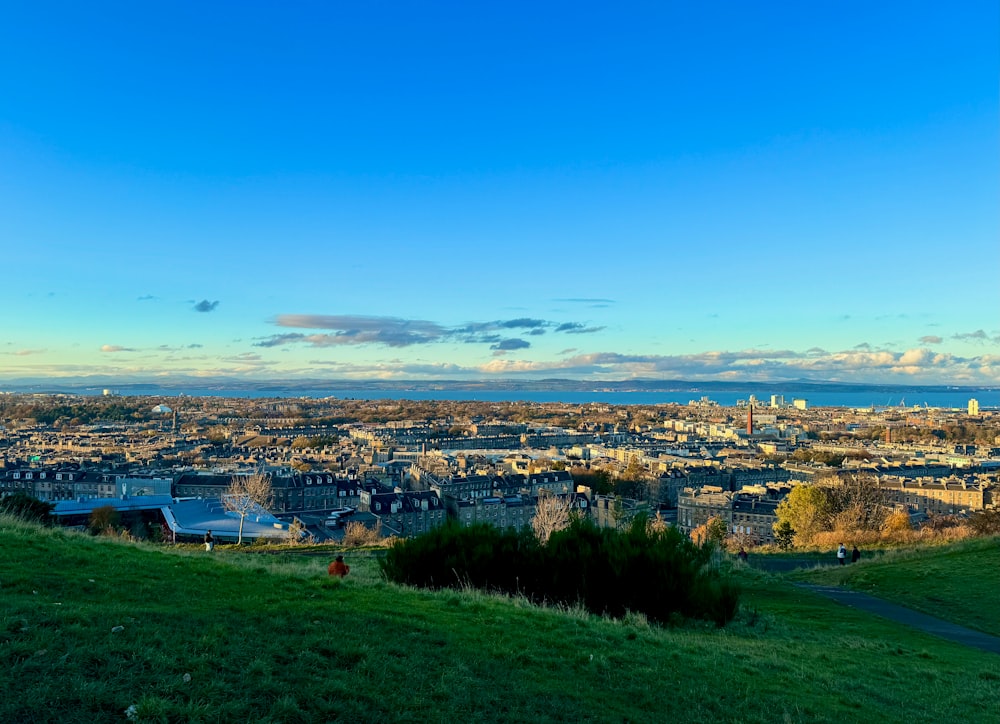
{"x": 93, "y": 626}
{"x": 959, "y": 582}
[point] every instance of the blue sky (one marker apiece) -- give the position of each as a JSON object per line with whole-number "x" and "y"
{"x": 438, "y": 190}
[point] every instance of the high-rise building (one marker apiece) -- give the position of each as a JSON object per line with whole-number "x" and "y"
{"x": 973, "y": 406}
{"x": 777, "y": 400}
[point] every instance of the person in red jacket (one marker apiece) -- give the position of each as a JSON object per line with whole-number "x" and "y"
{"x": 339, "y": 568}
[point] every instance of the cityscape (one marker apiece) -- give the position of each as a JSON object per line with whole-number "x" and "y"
{"x": 402, "y": 467}
{"x": 511, "y": 362}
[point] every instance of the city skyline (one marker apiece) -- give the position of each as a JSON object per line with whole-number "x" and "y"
{"x": 403, "y": 192}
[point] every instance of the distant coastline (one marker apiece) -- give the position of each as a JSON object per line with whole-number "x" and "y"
{"x": 726, "y": 393}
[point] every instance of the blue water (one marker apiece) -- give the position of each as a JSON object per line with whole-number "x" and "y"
{"x": 988, "y": 399}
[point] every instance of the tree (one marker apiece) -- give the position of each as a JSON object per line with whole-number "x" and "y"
{"x": 807, "y": 509}
{"x": 246, "y": 494}
{"x": 635, "y": 471}
{"x": 713, "y": 531}
{"x": 551, "y": 514}
{"x": 784, "y": 535}
{"x": 858, "y": 502}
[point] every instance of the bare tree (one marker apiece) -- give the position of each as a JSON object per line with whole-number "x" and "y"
{"x": 357, "y": 533}
{"x": 247, "y": 493}
{"x": 298, "y": 533}
{"x": 859, "y": 503}
{"x": 551, "y": 514}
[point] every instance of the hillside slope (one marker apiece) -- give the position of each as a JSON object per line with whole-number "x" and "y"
{"x": 237, "y": 638}
{"x": 958, "y": 582}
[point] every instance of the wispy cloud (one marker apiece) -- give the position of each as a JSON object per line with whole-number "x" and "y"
{"x": 206, "y": 306}
{"x": 592, "y": 301}
{"x": 577, "y": 328}
{"x": 114, "y": 348}
{"x": 509, "y": 345}
{"x": 931, "y": 339}
{"x": 978, "y": 336}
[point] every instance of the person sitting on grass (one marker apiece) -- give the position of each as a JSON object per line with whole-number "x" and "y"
{"x": 339, "y": 568}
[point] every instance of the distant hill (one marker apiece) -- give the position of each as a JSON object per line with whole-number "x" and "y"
{"x": 173, "y": 385}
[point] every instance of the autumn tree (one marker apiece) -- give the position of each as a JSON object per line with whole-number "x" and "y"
{"x": 635, "y": 471}
{"x": 714, "y": 531}
{"x": 897, "y": 522}
{"x": 807, "y": 510}
{"x": 842, "y": 503}
{"x": 246, "y": 494}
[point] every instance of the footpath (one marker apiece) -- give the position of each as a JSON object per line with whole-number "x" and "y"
{"x": 908, "y": 617}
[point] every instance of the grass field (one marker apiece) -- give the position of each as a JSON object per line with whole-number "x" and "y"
{"x": 958, "y": 582}
{"x": 239, "y": 637}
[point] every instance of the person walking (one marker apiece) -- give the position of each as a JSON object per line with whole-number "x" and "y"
{"x": 855, "y": 555}
{"x": 209, "y": 541}
{"x": 842, "y": 554}
{"x": 338, "y": 567}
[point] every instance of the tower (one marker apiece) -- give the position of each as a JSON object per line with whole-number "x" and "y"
{"x": 750, "y": 419}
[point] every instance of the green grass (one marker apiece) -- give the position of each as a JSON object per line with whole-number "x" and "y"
{"x": 240, "y": 637}
{"x": 958, "y": 582}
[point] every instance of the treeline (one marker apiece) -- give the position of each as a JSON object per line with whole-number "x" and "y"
{"x": 957, "y": 433}
{"x": 82, "y": 413}
{"x": 827, "y": 457}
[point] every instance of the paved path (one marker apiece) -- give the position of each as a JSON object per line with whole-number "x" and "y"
{"x": 909, "y": 617}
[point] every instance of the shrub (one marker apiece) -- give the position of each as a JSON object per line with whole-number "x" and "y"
{"x": 357, "y": 533}
{"x": 942, "y": 522}
{"x": 451, "y": 556}
{"x": 659, "y": 573}
{"x": 896, "y": 522}
{"x": 985, "y": 522}
{"x": 106, "y": 520}
{"x": 27, "y": 507}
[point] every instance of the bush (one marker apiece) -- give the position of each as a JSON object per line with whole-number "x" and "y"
{"x": 104, "y": 520}
{"x": 451, "y": 556}
{"x": 897, "y": 522}
{"x": 27, "y": 507}
{"x": 642, "y": 569}
{"x": 357, "y": 533}
{"x": 985, "y": 522}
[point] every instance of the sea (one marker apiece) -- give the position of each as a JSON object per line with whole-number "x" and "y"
{"x": 861, "y": 397}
